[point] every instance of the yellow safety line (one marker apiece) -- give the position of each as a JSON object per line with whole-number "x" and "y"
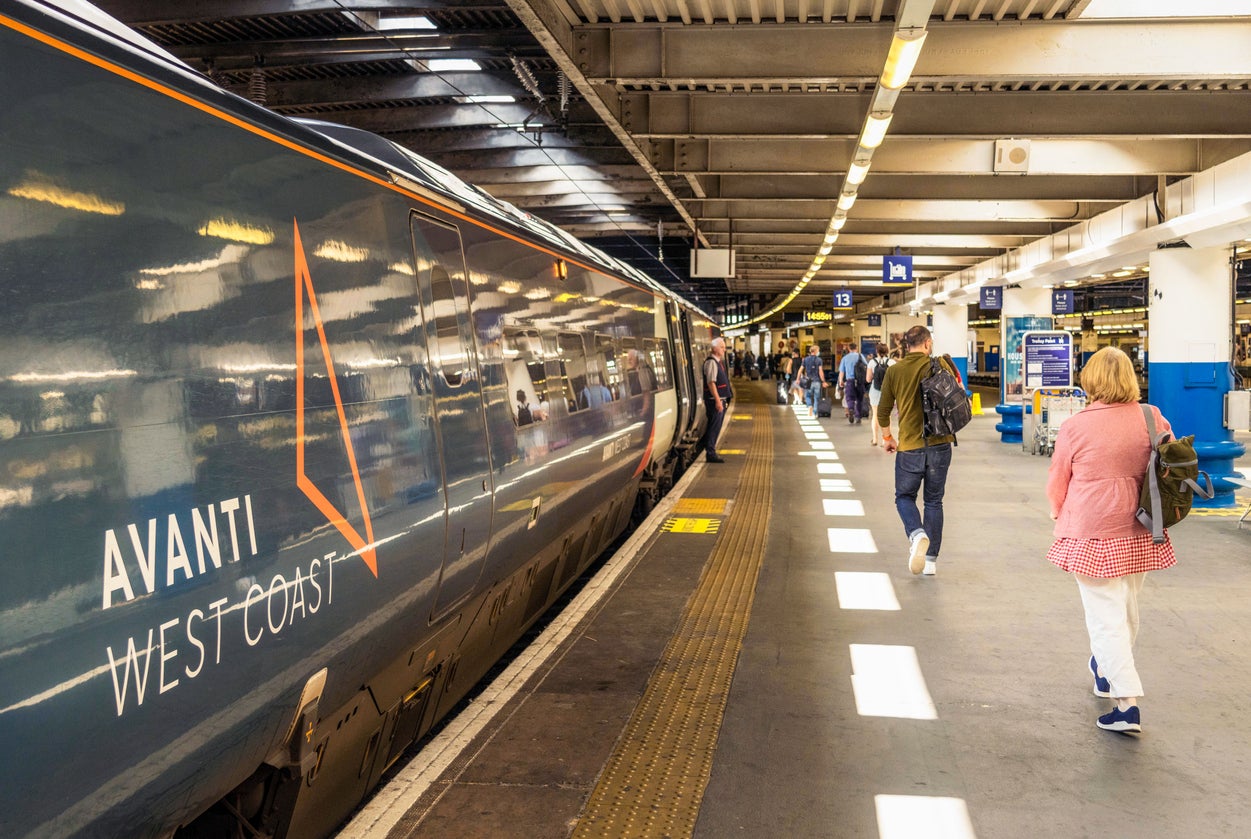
{"x": 654, "y": 782}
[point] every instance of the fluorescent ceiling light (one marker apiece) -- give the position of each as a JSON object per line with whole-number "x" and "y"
{"x": 831, "y": 238}
{"x": 875, "y": 129}
{"x": 406, "y": 22}
{"x": 837, "y": 222}
{"x": 857, "y": 172}
{"x": 905, "y": 48}
{"x": 825, "y": 249}
{"x": 846, "y": 200}
{"x": 437, "y": 64}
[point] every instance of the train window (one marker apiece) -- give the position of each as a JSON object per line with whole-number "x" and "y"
{"x": 566, "y": 369}
{"x": 606, "y": 355}
{"x": 658, "y": 357}
{"x": 443, "y": 262}
{"x": 527, "y": 375}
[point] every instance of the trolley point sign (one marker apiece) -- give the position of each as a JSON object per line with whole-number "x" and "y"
{"x": 1048, "y": 359}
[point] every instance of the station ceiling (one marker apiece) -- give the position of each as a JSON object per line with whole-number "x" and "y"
{"x": 633, "y": 123}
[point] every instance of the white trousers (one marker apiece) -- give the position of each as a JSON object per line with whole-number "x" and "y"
{"x": 1112, "y": 621}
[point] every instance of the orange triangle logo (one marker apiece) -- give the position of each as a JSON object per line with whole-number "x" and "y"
{"x": 303, "y": 286}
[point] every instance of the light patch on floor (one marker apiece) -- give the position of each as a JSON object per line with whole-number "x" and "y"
{"x": 820, "y": 455}
{"x": 887, "y": 682}
{"x": 908, "y": 816}
{"x": 852, "y": 540}
{"x": 836, "y": 485}
{"x": 868, "y": 590}
{"x": 831, "y": 469}
{"x": 842, "y": 507}
{"x": 817, "y": 444}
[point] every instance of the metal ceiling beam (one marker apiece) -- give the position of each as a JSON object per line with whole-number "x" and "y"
{"x": 912, "y": 155}
{"x": 399, "y": 45}
{"x": 937, "y": 114}
{"x": 924, "y": 210}
{"x": 469, "y": 141}
{"x": 425, "y": 117}
{"x": 532, "y": 155}
{"x": 963, "y": 187}
{"x": 640, "y": 55}
{"x": 163, "y": 12}
{"x": 416, "y": 85}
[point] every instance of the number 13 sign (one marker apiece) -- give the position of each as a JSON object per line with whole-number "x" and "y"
{"x": 842, "y": 298}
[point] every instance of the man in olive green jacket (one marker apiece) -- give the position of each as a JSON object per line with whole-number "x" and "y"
{"x": 918, "y": 459}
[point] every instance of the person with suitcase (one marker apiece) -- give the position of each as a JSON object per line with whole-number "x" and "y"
{"x": 812, "y": 379}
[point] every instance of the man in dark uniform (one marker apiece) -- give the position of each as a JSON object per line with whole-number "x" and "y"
{"x": 716, "y": 397}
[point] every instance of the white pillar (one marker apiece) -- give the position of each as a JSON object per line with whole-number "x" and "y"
{"x": 1188, "y": 373}
{"x": 951, "y": 335}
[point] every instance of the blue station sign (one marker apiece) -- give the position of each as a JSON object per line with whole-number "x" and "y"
{"x": 875, "y": 320}
{"x": 897, "y": 270}
{"x": 842, "y": 298}
{"x": 1062, "y": 301}
{"x": 990, "y": 298}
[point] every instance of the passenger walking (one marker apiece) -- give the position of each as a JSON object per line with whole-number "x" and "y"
{"x": 851, "y": 384}
{"x": 920, "y": 460}
{"x": 798, "y": 393}
{"x": 876, "y": 374}
{"x": 716, "y": 397}
{"x": 1096, "y": 476}
{"x": 813, "y": 371}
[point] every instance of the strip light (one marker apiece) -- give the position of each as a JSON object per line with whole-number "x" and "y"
{"x": 905, "y": 49}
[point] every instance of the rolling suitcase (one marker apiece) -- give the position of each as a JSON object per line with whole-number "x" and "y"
{"x": 824, "y": 406}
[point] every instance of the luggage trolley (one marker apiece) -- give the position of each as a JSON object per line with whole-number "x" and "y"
{"x": 1052, "y": 406}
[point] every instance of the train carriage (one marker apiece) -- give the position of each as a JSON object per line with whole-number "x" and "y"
{"x": 297, "y": 434}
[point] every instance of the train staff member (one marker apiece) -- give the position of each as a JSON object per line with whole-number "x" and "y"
{"x": 920, "y": 459}
{"x": 716, "y": 397}
{"x": 1093, "y": 486}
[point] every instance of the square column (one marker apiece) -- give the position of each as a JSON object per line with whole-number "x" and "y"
{"x": 1017, "y": 303}
{"x": 1188, "y": 362}
{"x": 951, "y": 335}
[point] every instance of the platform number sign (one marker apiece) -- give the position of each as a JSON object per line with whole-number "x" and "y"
{"x": 842, "y": 298}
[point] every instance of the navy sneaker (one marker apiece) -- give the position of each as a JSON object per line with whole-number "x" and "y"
{"x": 1102, "y": 687}
{"x": 1118, "y": 720}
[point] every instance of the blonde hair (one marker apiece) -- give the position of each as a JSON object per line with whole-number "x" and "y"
{"x": 1109, "y": 377}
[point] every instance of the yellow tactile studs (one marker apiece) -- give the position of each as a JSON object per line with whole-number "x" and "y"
{"x": 1240, "y": 505}
{"x": 686, "y": 525}
{"x": 654, "y": 781}
{"x": 698, "y": 506}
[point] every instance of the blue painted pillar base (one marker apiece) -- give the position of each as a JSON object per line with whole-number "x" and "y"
{"x": 1013, "y": 426}
{"x": 962, "y": 365}
{"x": 1217, "y": 459}
{"x": 1192, "y": 397}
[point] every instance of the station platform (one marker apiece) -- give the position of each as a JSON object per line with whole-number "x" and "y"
{"x": 759, "y": 662}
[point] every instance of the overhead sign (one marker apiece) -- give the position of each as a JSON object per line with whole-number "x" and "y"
{"x": 818, "y": 316}
{"x": 897, "y": 270}
{"x": 875, "y": 320}
{"x": 1062, "y": 301}
{"x": 1048, "y": 357}
{"x": 991, "y": 297}
{"x": 842, "y": 298}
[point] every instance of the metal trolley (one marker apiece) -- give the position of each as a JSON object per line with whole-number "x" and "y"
{"x": 1052, "y": 406}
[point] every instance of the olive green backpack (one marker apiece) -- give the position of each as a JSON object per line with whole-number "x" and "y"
{"x": 1171, "y": 482}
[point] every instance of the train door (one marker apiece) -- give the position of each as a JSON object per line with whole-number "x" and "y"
{"x": 459, "y": 416}
{"x": 680, "y": 367}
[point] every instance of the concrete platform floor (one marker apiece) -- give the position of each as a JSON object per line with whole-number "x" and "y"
{"x": 999, "y": 643}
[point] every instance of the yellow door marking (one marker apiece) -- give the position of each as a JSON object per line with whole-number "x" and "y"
{"x": 685, "y": 525}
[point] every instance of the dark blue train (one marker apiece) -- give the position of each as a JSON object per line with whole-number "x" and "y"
{"x": 298, "y": 433}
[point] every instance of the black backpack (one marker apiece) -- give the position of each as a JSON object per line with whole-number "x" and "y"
{"x": 1171, "y": 482}
{"x": 944, "y": 403}
{"x": 860, "y": 371}
{"x": 879, "y": 373}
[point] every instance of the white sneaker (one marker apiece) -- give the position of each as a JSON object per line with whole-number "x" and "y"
{"x": 931, "y": 568}
{"x": 916, "y": 555}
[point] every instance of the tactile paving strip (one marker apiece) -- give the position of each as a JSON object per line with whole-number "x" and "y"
{"x": 654, "y": 781}
{"x": 700, "y": 506}
{"x": 1240, "y": 505}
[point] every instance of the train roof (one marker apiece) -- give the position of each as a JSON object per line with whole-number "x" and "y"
{"x": 357, "y": 143}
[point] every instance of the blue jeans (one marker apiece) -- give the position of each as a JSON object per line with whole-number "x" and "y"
{"x": 812, "y": 396}
{"x": 928, "y": 465}
{"x": 713, "y": 430}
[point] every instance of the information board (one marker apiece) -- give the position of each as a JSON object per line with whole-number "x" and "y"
{"x": 1062, "y": 301}
{"x": 1048, "y": 359}
{"x": 990, "y": 298}
{"x": 1012, "y": 369}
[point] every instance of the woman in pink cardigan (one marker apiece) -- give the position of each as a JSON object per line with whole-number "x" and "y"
{"x": 1095, "y": 480}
